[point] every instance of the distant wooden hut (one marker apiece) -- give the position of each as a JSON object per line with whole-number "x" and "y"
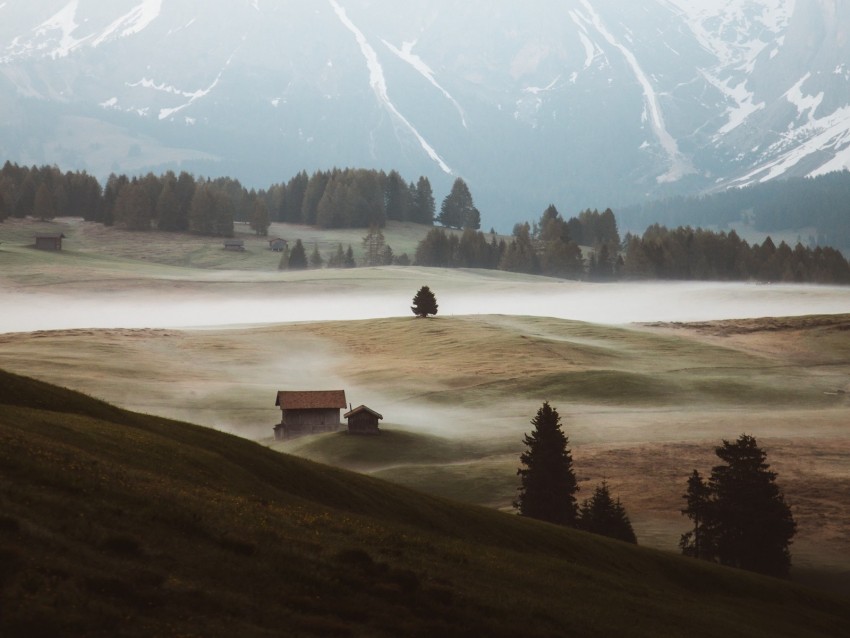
{"x": 363, "y": 420}
{"x": 234, "y": 244}
{"x": 308, "y": 412}
{"x": 49, "y": 241}
{"x": 277, "y": 244}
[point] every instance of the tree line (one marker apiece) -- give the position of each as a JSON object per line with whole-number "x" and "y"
{"x": 696, "y": 254}
{"x": 553, "y": 246}
{"x": 339, "y": 198}
{"x": 550, "y": 246}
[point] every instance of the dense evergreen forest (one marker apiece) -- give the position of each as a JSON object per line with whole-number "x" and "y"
{"x": 587, "y": 246}
{"x": 339, "y": 198}
{"x": 822, "y": 202}
{"x": 552, "y": 246}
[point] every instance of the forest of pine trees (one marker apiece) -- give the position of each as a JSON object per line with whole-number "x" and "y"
{"x": 587, "y": 246}
{"x": 340, "y": 198}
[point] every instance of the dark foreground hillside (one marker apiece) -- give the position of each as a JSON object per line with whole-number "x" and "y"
{"x": 119, "y": 524}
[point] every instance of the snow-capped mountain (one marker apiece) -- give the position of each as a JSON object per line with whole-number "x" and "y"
{"x": 584, "y": 103}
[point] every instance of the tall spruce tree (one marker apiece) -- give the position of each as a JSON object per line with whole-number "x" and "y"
{"x": 744, "y": 520}
{"x": 549, "y": 487}
{"x": 457, "y": 210}
{"x": 424, "y": 303}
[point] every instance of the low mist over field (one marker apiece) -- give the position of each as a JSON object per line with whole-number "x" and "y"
{"x": 194, "y": 306}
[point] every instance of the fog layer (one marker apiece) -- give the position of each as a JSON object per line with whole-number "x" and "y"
{"x": 619, "y": 303}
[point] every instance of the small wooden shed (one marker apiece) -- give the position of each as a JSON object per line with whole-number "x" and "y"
{"x": 277, "y": 244}
{"x": 49, "y": 241}
{"x": 234, "y": 244}
{"x": 308, "y": 412}
{"x": 363, "y": 420}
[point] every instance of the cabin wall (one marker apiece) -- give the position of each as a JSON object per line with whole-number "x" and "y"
{"x": 48, "y": 243}
{"x": 363, "y": 423}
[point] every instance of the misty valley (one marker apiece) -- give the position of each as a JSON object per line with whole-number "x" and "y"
{"x": 356, "y": 318}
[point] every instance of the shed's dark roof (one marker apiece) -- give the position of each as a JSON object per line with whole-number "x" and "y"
{"x": 310, "y": 399}
{"x": 361, "y": 408}
{"x": 49, "y": 236}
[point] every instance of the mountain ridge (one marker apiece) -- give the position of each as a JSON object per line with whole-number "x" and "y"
{"x": 582, "y": 104}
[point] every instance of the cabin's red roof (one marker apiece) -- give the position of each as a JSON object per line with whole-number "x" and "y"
{"x": 362, "y": 408}
{"x": 310, "y": 399}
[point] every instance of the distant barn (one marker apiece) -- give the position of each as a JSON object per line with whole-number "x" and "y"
{"x": 363, "y": 420}
{"x": 277, "y": 244}
{"x": 234, "y": 244}
{"x": 308, "y": 412}
{"x": 49, "y": 241}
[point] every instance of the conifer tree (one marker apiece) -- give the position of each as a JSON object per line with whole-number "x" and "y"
{"x": 349, "y": 262}
{"x": 423, "y": 203}
{"x": 336, "y": 260}
{"x": 298, "y": 257}
{"x": 697, "y": 542}
{"x": 260, "y": 221}
{"x": 458, "y": 210}
{"x": 424, "y": 303}
{"x": 743, "y": 519}
{"x": 600, "y": 514}
{"x": 548, "y": 481}
{"x": 316, "y": 260}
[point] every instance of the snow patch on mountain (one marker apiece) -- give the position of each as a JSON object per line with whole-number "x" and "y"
{"x": 378, "y": 83}
{"x": 827, "y": 137}
{"x": 193, "y": 96}
{"x": 804, "y": 103}
{"x": 725, "y": 28}
{"x": 679, "y": 164}
{"x": 406, "y": 54}
{"x": 744, "y": 103}
{"x": 135, "y": 21}
{"x": 65, "y": 23}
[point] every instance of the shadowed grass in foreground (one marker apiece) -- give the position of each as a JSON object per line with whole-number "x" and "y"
{"x": 114, "y": 523}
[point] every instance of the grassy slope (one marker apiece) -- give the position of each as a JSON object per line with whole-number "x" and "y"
{"x": 185, "y": 250}
{"x": 114, "y": 523}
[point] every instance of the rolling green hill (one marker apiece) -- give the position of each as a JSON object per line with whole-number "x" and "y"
{"x": 115, "y": 523}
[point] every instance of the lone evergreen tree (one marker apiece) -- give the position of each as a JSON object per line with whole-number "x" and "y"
{"x": 740, "y": 517}
{"x": 424, "y": 302}
{"x": 548, "y": 481}
{"x": 600, "y": 514}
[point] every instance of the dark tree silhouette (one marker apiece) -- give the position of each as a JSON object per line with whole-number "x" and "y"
{"x": 600, "y": 514}
{"x": 745, "y": 521}
{"x": 548, "y": 481}
{"x": 697, "y": 542}
{"x": 424, "y": 302}
{"x": 298, "y": 257}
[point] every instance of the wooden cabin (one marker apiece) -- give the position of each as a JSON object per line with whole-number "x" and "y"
{"x": 234, "y": 244}
{"x": 49, "y": 241}
{"x": 308, "y": 412}
{"x": 277, "y": 244}
{"x": 363, "y": 420}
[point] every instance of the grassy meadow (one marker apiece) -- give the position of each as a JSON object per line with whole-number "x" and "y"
{"x": 114, "y": 523}
{"x": 643, "y": 405}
